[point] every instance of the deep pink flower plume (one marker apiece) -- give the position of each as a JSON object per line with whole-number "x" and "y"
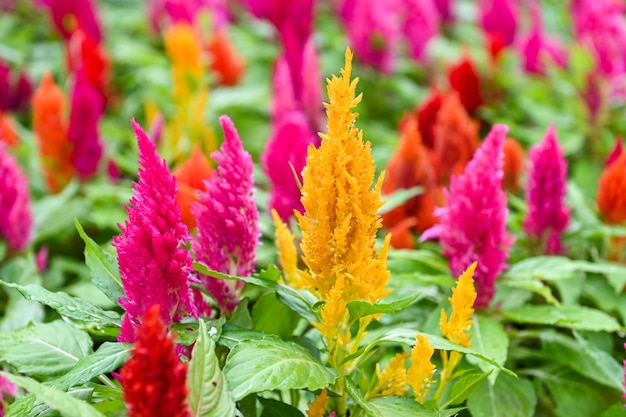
{"x": 70, "y": 15}
{"x": 444, "y": 7}
{"x": 472, "y": 225}
{"x": 15, "y": 89}
{"x": 420, "y": 23}
{"x": 536, "y": 48}
{"x": 164, "y": 12}
{"x": 547, "y": 216}
{"x": 154, "y": 266}
{"x": 499, "y": 19}
{"x": 83, "y": 132}
{"x": 6, "y": 387}
{"x": 227, "y": 219}
{"x": 16, "y": 220}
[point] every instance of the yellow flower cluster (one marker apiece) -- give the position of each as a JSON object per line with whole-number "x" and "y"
{"x": 420, "y": 374}
{"x": 462, "y": 301}
{"x": 287, "y": 253}
{"x": 393, "y": 380}
{"x": 318, "y": 407}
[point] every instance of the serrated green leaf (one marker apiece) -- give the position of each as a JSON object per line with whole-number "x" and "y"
{"x": 105, "y": 273}
{"x": 358, "y": 309}
{"x": 404, "y": 407}
{"x": 209, "y": 395}
{"x": 570, "y": 316}
{"x": 66, "y": 404}
{"x": 463, "y": 387}
{"x": 44, "y": 349}
{"x": 269, "y": 364}
{"x": 68, "y": 306}
{"x": 508, "y": 397}
{"x": 489, "y": 338}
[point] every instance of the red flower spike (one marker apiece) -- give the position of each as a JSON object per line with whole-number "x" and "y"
{"x": 514, "y": 156}
{"x": 226, "y": 63}
{"x": 463, "y": 79}
{"x": 154, "y": 379}
{"x": 612, "y": 192}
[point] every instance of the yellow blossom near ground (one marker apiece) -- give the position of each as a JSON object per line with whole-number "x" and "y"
{"x": 420, "y": 374}
{"x": 393, "y": 379}
{"x": 462, "y": 301}
{"x": 318, "y": 407}
{"x": 287, "y": 253}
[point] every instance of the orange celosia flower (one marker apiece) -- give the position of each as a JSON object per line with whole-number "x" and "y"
{"x": 514, "y": 156}
{"x": 456, "y": 137}
{"x": 393, "y": 380}
{"x": 401, "y": 236}
{"x": 462, "y": 301}
{"x": 8, "y": 133}
{"x": 612, "y": 191}
{"x": 287, "y": 253}
{"x": 184, "y": 49}
{"x": 318, "y": 407}
{"x": 190, "y": 177}
{"x": 51, "y": 131}
{"x": 226, "y": 63}
{"x": 420, "y": 374}
{"x": 340, "y": 221}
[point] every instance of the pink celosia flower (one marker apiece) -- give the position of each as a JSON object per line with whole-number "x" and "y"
{"x": 68, "y": 16}
{"x": 371, "y": 26}
{"x": 536, "y": 48}
{"x": 41, "y": 259}
{"x": 499, "y": 20}
{"x": 444, "y": 7}
{"x": 227, "y": 219}
{"x": 154, "y": 379}
{"x": 6, "y": 387}
{"x": 163, "y": 12}
{"x": 547, "y": 216}
{"x": 87, "y": 109}
{"x": 420, "y": 23}
{"x": 16, "y": 221}
{"x": 616, "y": 152}
{"x": 15, "y": 89}
{"x": 154, "y": 266}
{"x": 472, "y": 225}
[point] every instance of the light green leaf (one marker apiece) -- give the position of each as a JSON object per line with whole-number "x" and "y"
{"x": 264, "y": 313}
{"x": 508, "y": 397}
{"x": 68, "y": 306}
{"x": 269, "y": 364}
{"x": 570, "y": 316}
{"x": 552, "y": 268}
{"x": 42, "y": 350}
{"x": 533, "y": 285}
{"x": 67, "y": 405}
{"x": 208, "y": 392}
{"x": 105, "y": 273}
{"x": 616, "y": 410}
{"x": 463, "y": 387}
{"x": 358, "y": 309}
{"x": 399, "y": 197}
{"x": 489, "y": 338}
{"x": 404, "y": 407}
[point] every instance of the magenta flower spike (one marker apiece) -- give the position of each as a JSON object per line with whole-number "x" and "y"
{"x": 420, "y": 23}
{"x": 472, "y": 225}
{"x": 16, "y": 220}
{"x": 499, "y": 19}
{"x": 6, "y": 388}
{"x": 536, "y": 48}
{"x": 15, "y": 89}
{"x": 372, "y": 29}
{"x": 444, "y": 7}
{"x": 87, "y": 109}
{"x": 227, "y": 219}
{"x": 70, "y": 15}
{"x": 154, "y": 266}
{"x": 547, "y": 216}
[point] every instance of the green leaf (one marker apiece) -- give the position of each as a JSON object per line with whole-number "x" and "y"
{"x": 399, "y": 197}
{"x": 489, "y": 338}
{"x": 616, "y": 410}
{"x": 536, "y": 286}
{"x": 570, "y": 316}
{"x": 404, "y": 407}
{"x": 105, "y": 272}
{"x": 208, "y": 393}
{"x": 67, "y": 405}
{"x": 269, "y": 364}
{"x": 264, "y": 313}
{"x": 273, "y": 408}
{"x": 42, "y": 350}
{"x": 68, "y": 306}
{"x": 107, "y": 358}
{"x": 26, "y": 405}
{"x": 463, "y": 387}
{"x": 358, "y": 309}
{"x": 551, "y": 268}
{"x": 508, "y": 397}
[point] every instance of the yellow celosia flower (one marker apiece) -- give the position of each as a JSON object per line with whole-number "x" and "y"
{"x": 420, "y": 374}
{"x": 318, "y": 407}
{"x": 340, "y": 221}
{"x": 393, "y": 380}
{"x": 287, "y": 253}
{"x": 184, "y": 49}
{"x": 334, "y": 314}
{"x": 462, "y": 301}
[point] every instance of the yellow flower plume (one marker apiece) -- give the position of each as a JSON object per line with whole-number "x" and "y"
{"x": 393, "y": 380}
{"x": 183, "y": 47}
{"x": 287, "y": 253}
{"x": 462, "y": 301}
{"x": 340, "y": 221}
{"x": 420, "y": 374}
{"x": 318, "y": 407}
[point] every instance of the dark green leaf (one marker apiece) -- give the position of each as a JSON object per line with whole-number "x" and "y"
{"x": 358, "y": 309}
{"x": 273, "y": 408}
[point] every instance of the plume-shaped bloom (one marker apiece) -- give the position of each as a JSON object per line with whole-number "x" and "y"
{"x": 391, "y": 381}
{"x": 318, "y": 407}
{"x": 456, "y": 328}
{"x": 617, "y": 150}
{"x": 226, "y": 63}
{"x": 463, "y": 79}
{"x": 6, "y": 388}
{"x": 83, "y": 132}
{"x": 340, "y": 221}
{"x": 16, "y": 220}
{"x": 67, "y": 16}
{"x": 426, "y": 115}
{"x": 184, "y": 49}
{"x": 420, "y": 23}
{"x": 420, "y": 374}
{"x": 472, "y": 225}
{"x": 537, "y": 49}
{"x": 190, "y": 177}
{"x": 547, "y": 216}
{"x": 8, "y": 132}
{"x": 154, "y": 266}
{"x": 287, "y": 253}
{"x": 89, "y": 56}
{"x": 154, "y": 380}
{"x": 499, "y": 20}
{"x": 514, "y": 157}
{"x": 444, "y": 7}
{"x": 227, "y": 219}
{"x": 612, "y": 191}
{"x": 51, "y": 132}
{"x": 15, "y": 89}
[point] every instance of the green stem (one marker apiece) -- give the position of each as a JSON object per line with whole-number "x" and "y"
{"x": 108, "y": 382}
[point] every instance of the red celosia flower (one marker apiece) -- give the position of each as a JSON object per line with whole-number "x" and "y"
{"x": 456, "y": 138}
{"x": 154, "y": 378}
{"x": 85, "y": 54}
{"x": 190, "y": 176}
{"x": 427, "y": 117}
{"x": 463, "y": 79}
{"x": 612, "y": 191}
{"x": 513, "y": 164}
{"x": 226, "y": 63}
